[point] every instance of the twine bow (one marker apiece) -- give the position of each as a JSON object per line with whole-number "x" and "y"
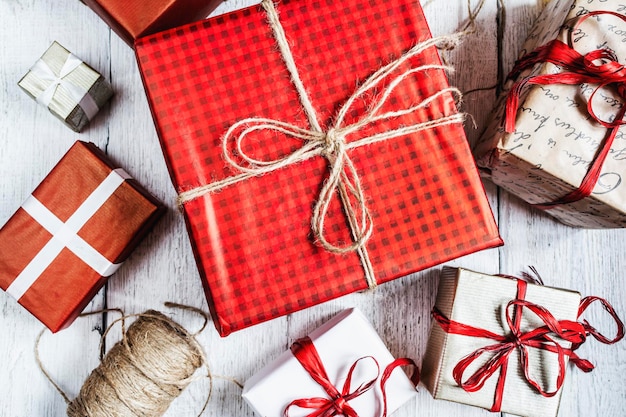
{"x": 333, "y": 146}
{"x": 331, "y": 143}
{"x": 541, "y": 337}
{"x": 78, "y": 94}
{"x": 600, "y": 67}
{"x": 337, "y": 402}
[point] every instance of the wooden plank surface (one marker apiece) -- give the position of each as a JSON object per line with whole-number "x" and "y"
{"x": 162, "y": 268}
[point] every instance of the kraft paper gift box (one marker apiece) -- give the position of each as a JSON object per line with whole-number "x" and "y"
{"x": 74, "y": 231}
{"x": 253, "y": 241}
{"x": 340, "y": 342}
{"x": 480, "y": 301}
{"x": 131, "y": 19}
{"x": 72, "y": 90}
{"x": 554, "y": 140}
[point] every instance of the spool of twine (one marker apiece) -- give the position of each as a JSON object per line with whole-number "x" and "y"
{"x": 142, "y": 374}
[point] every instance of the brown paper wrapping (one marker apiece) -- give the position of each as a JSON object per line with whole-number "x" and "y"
{"x": 555, "y": 139}
{"x": 480, "y": 300}
{"x": 68, "y": 284}
{"x": 63, "y": 106}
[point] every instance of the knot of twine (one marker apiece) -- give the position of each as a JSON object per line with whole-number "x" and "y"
{"x": 332, "y": 144}
{"x": 142, "y": 374}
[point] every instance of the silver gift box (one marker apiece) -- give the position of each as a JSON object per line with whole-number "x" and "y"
{"x": 72, "y": 90}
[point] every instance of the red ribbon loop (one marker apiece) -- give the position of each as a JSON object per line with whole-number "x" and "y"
{"x": 538, "y": 338}
{"x": 337, "y": 402}
{"x": 584, "y": 304}
{"x": 584, "y": 364}
{"x": 600, "y": 67}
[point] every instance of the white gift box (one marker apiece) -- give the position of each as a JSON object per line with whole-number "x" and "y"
{"x": 339, "y": 342}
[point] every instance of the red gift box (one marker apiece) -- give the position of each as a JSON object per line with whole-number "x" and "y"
{"x": 74, "y": 231}
{"x": 131, "y": 19}
{"x": 253, "y": 240}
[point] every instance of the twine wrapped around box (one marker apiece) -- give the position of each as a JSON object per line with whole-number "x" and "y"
{"x": 331, "y": 144}
{"x": 72, "y": 90}
{"x": 294, "y": 185}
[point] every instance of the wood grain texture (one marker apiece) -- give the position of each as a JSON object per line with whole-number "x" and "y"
{"x": 163, "y": 269}
{"x": 32, "y": 142}
{"x": 585, "y": 260}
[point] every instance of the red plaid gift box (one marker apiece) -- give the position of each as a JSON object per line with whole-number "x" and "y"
{"x": 408, "y": 202}
{"x": 73, "y": 232}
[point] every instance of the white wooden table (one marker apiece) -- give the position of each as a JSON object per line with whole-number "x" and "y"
{"x": 32, "y": 141}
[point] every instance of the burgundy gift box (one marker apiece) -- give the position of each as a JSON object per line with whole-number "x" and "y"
{"x": 131, "y": 19}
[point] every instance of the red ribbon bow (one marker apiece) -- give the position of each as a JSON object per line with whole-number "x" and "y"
{"x": 600, "y": 67}
{"x": 539, "y": 338}
{"x": 337, "y": 402}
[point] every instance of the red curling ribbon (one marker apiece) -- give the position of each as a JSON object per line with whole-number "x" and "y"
{"x": 584, "y": 304}
{"x": 600, "y": 67}
{"x": 337, "y": 402}
{"x": 584, "y": 364}
{"x": 539, "y": 338}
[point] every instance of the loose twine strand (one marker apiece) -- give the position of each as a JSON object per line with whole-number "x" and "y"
{"x": 471, "y": 28}
{"x": 468, "y": 29}
{"x": 143, "y": 373}
{"x": 331, "y": 144}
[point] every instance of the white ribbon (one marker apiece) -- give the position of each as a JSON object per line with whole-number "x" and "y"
{"x": 81, "y": 96}
{"x": 65, "y": 235}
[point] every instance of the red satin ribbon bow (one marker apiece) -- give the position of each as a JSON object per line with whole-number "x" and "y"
{"x": 600, "y": 67}
{"x": 337, "y": 402}
{"x": 539, "y": 338}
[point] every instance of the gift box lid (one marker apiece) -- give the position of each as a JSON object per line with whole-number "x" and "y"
{"x": 76, "y": 228}
{"x": 340, "y": 341}
{"x": 252, "y": 240}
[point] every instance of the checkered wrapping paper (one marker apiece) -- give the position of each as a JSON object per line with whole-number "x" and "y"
{"x": 252, "y": 240}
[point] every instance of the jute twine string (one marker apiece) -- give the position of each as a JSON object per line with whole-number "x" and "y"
{"x": 467, "y": 29}
{"x": 143, "y": 373}
{"x": 470, "y": 28}
{"x": 331, "y": 144}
